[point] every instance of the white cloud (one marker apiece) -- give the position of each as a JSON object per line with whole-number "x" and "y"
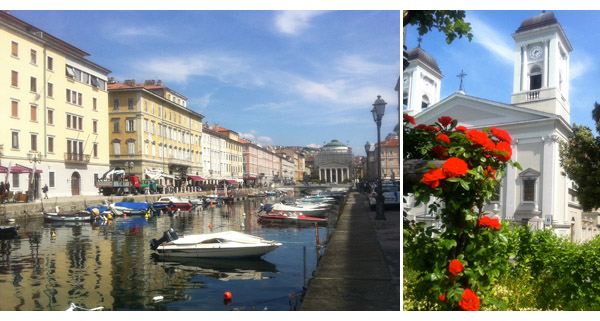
{"x": 293, "y": 22}
{"x": 358, "y": 65}
{"x": 313, "y": 146}
{"x": 265, "y": 140}
{"x": 491, "y": 40}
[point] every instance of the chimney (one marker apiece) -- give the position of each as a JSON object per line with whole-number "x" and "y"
{"x": 149, "y": 83}
{"x": 130, "y": 82}
{"x": 159, "y": 83}
{"x": 111, "y": 80}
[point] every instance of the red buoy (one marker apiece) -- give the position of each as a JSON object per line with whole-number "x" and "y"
{"x": 227, "y": 296}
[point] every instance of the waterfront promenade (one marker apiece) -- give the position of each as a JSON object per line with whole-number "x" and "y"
{"x": 360, "y": 269}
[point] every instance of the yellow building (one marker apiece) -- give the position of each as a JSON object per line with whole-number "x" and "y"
{"x": 152, "y": 129}
{"x": 55, "y": 100}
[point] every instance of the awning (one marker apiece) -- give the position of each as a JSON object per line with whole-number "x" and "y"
{"x": 196, "y": 178}
{"x": 3, "y": 169}
{"x": 232, "y": 182}
{"x": 18, "y": 169}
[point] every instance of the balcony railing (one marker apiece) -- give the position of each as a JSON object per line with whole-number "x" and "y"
{"x": 77, "y": 158}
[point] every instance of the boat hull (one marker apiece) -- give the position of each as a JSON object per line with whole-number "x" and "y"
{"x": 214, "y": 251}
{"x": 70, "y": 217}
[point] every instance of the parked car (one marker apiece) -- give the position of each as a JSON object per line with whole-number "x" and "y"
{"x": 391, "y": 194}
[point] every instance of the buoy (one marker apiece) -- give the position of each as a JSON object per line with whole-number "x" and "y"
{"x": 227, "y": 295}
{"x": 53, "y": 234}
{"x": 210, "y": 226}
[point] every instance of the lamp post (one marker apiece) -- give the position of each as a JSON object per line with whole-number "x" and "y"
{"x": 378, "y": 111}
{"x": 35, "y": 158}
{"x": 129, "y": 167}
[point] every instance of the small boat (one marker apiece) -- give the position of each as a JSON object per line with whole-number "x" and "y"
{"x": 308, "y": 210}
{"x": 131, "y": 208}
{"x": 75, "y": 216}
{"x": 9, "y": 231}
{"x": 173, "y": 204}
{"x": 290, "y": 218}
{"x": 228, "y": 244}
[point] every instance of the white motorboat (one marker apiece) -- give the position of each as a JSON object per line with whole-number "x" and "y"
{"x": 228, "y": 244}
{"x": 315, "y": 210}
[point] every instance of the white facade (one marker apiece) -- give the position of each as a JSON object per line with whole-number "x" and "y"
{"x": 537, "y": 120}
{"x": 421, "y": 83}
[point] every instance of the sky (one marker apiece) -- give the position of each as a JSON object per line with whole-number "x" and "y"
{"x": 292, "y": 78}
{"x": 488, "y": 58}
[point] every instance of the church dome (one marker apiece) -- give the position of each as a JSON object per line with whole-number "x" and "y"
{"x": 541, "y": 20}
{"x": 420, "y": 54}
{"x": 334, "y": 144}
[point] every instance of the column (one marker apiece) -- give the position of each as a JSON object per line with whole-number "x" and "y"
{"x": 546, "y": 70}
{"x": 524, "y": 68}
{"x": 511, "y": 182}
{"x": 548, "y": 177}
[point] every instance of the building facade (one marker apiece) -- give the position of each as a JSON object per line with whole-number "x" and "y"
{"x": 152, "y": 129}
{"x": 335, "y": 163}
{"x": 56, "y": 100}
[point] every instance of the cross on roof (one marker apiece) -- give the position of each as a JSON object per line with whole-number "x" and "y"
{"x": 419, "y": 40}
{"x": 461, "y": 76}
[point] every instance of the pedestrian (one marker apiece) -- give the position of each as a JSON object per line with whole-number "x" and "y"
{"x": 45, "y": 190}
{"x": 7, "y": 188}
{"x": 2, "y": 191}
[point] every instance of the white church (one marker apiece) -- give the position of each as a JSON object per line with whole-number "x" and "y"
{"x": 537, "y": 118}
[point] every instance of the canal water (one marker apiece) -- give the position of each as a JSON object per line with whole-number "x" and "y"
{"x": 58, "y": 266}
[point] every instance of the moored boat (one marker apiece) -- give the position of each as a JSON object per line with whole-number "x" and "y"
{"x": 228, "y": 244}
{"x": 131, "y": 208}
{"x": 173, "y": 204}
{"x": 9, "y": 231}
{"x": 75, "y": 216}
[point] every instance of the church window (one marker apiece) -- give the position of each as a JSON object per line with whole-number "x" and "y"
{"x": 425, "y": 102}
{"x": 529, "y": 190}
{"x": 535, "y": 78}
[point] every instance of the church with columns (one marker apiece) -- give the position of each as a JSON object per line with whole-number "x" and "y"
{"x": 537, "y": 118}
{"x": 334, "y": 162}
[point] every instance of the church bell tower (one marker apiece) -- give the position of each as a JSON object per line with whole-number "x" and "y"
{"x": 541, "y": 74}
{"x": 422, "y": 81}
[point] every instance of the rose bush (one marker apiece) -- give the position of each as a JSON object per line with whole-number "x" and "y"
{"x": 457, "y": 263}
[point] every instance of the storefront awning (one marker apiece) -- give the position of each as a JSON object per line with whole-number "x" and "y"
{"x": 18, "y": 169}
{"x": 196, "y": 178}
{"x": 232, "y": 182}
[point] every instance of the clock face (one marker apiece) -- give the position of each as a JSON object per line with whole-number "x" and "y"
{"x": 535, "y": 52}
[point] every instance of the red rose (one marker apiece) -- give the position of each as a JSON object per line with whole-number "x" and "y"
{"x": 420, "y": 126}
{"x": 501, "y": 134}
{"x": 489, "y": 222}
{"x": 461, "y": 129}
{"x": 443, "y": 297}
{"x": 455, "y": 167}
{"x": 430, "y": 129}
{"x": 409, "y": 119}
{"x": 478, "y": 137}
{"x": 444, "y": 138}
{"x": 490, "y": 172}
{"x": 455, "y": 267}
{"x": 470, "y": 301}
{"x": 440, "y": 151}
{"x": 445, "y": 120}
{"x": 432, "y": 178}
{"x": 503, "y": 147}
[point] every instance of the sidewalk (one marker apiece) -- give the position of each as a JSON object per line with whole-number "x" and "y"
{"x": 360, "y": 269}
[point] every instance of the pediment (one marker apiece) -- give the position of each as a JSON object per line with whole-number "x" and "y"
{"x": 474, "y": 112}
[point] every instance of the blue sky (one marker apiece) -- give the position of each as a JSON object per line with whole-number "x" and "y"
{"x": 488, "y": 58}
{"x": 297, "y": 78}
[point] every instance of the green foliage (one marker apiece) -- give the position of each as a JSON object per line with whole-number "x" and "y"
{"x": 580, "y": 159}
{"x": 450, "y": 22}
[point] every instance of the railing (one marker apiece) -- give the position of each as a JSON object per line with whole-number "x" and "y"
{"x": 77, "y": 158}
{"x": 533, "y": 95}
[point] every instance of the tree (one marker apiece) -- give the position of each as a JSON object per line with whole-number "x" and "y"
{"x": 450, "y": 22}
{"x": 580, "y": 159}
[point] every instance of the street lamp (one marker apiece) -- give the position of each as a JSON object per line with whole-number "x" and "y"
{"x": 378, "y": 111}
{"x": 35, "y": 158}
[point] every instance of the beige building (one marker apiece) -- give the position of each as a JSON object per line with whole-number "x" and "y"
{"x": 56, "y": 101}
{"x": 152, "y": 129}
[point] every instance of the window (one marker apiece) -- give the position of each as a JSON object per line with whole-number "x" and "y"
{"x": 14, "y": 49}
{"x": 116, "y": 147}
{"x": 34, "y": 142}
{"x": 33, "y": 57}
{"x": 51, "y": 182}
{"x": 70, "y": 72}
{"x": 130, "y": 125}
{"x": 33, "y": 113}
{"x": 50, "y": 117}
{"x": 74, "y": 97}
{"x": 130, "y": 103}
{"x": 496, "y": 194}
{"x": 14, "y": 106}
{"x": 95, "y": 150}
{"x": 50, "y": 89}
{"x": 33, "y": 85}
{"x": 535, "y": 78}
{"x": 74, "y": 122}
{"x": 95, "y": 126}
{"x": 131, "y": 146}
{"x": 15, "y": 179}
{"x": 424, "y": 102}
{"x": 529, "y": 190}
{"x": 94, "y": 103}
{"x": 50, "y": 64}
{"x": 116, "y": 127}
{"x": 15, "y": 140}
{"x": 14, "y": 80}
{"x": 50, "y": 144}
{"x": 116, "y": 104}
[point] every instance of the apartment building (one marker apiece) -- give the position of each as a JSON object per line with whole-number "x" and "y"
{"x": 56, "y": 100}
{"x": 234, "y": 171}
{"x": 152, "y": 129}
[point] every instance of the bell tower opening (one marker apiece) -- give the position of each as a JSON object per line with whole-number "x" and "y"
{"x": 535, "y": 78}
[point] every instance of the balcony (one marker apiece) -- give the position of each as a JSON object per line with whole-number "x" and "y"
{"x": 77, "y": 158}
{"x": 175, "y": 161}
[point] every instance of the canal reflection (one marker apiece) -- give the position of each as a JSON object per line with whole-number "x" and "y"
{"x": 49, "y": 266}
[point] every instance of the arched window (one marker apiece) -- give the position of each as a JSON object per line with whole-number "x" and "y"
{"x": 424, "y": 102}
{"x": 535, "y": 78}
